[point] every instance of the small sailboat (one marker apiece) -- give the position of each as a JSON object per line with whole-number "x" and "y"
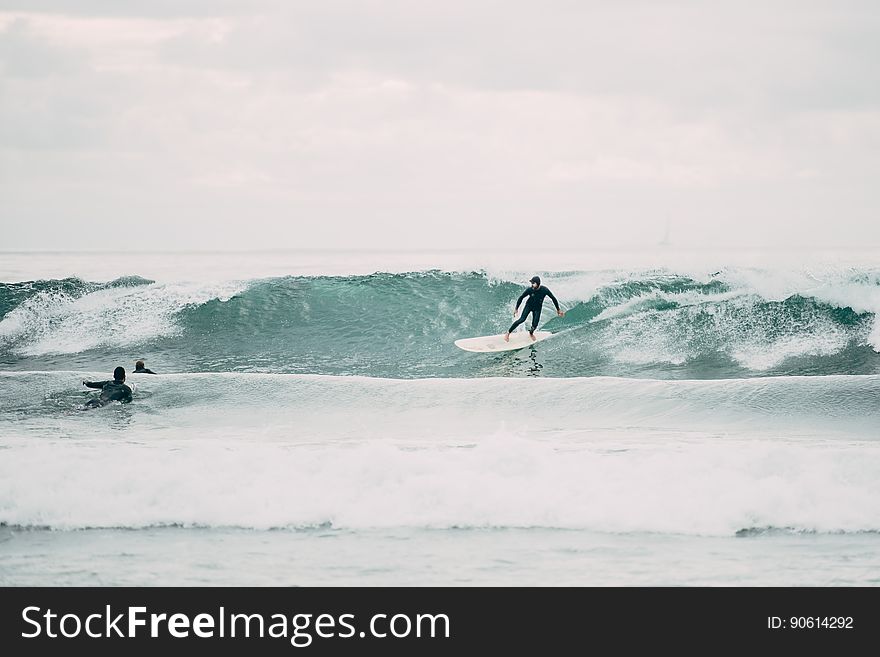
{"x": 665, "y": 240}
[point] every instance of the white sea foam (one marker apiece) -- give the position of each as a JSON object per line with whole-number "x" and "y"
{"x": 647, "y": 336}
{"x": 58, "y": 323}
{"x": 503, "y": 480}
{"x": 841, "y": 287}
{"x": 611, "y": 455}
{"x": 861, "y": 297}
{"x": 761, "y": 355}
{"x": 734, "y": 323}
{"x": 643, "y": 302}
{"x": 568, "y": 287}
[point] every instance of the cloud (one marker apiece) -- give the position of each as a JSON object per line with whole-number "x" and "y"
{"x": 398, "y": 124}
{"x": 134, "y": 8}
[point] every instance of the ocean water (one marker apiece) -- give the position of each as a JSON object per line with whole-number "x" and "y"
{"x": 697, "y": 418}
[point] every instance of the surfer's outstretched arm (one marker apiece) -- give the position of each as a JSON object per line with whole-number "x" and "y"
{"x": 520, "y": 300}
{"x": 555, "y": 303}
{"x": 95, "y": 384}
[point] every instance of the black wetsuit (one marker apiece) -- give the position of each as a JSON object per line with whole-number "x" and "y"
{"x": 110, "y": 391}
{"x": 144, "y": 371}
{"x": 533, "y": 305}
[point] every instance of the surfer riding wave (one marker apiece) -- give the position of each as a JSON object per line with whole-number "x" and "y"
{"x": 535, "y": 293}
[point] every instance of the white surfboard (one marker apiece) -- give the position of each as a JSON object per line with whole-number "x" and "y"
{"x": 490, "y": 343}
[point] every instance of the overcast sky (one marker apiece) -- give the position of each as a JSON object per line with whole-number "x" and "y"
{"x": 475, "y": 124}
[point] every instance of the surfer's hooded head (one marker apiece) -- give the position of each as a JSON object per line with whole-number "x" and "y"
{"x": 536, "y": 280}
{"x": 119, "y": 374}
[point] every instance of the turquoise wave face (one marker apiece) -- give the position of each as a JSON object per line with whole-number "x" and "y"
{"x": 636, "y": 324}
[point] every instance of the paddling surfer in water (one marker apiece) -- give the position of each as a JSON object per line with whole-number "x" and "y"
{"x": 535, "y": 293}
{"x": 115, "y": 390}
{"x": 140, "y": 368}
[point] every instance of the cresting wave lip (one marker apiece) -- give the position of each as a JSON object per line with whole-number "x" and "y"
{"x": 641, "y": 323}
{"x": 72, "y": 316}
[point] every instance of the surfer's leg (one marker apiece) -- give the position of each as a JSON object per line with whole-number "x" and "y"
{"x": 536, "y": 315}
{"x": 513, "y": 326}
{"x": 516, "y": 323}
